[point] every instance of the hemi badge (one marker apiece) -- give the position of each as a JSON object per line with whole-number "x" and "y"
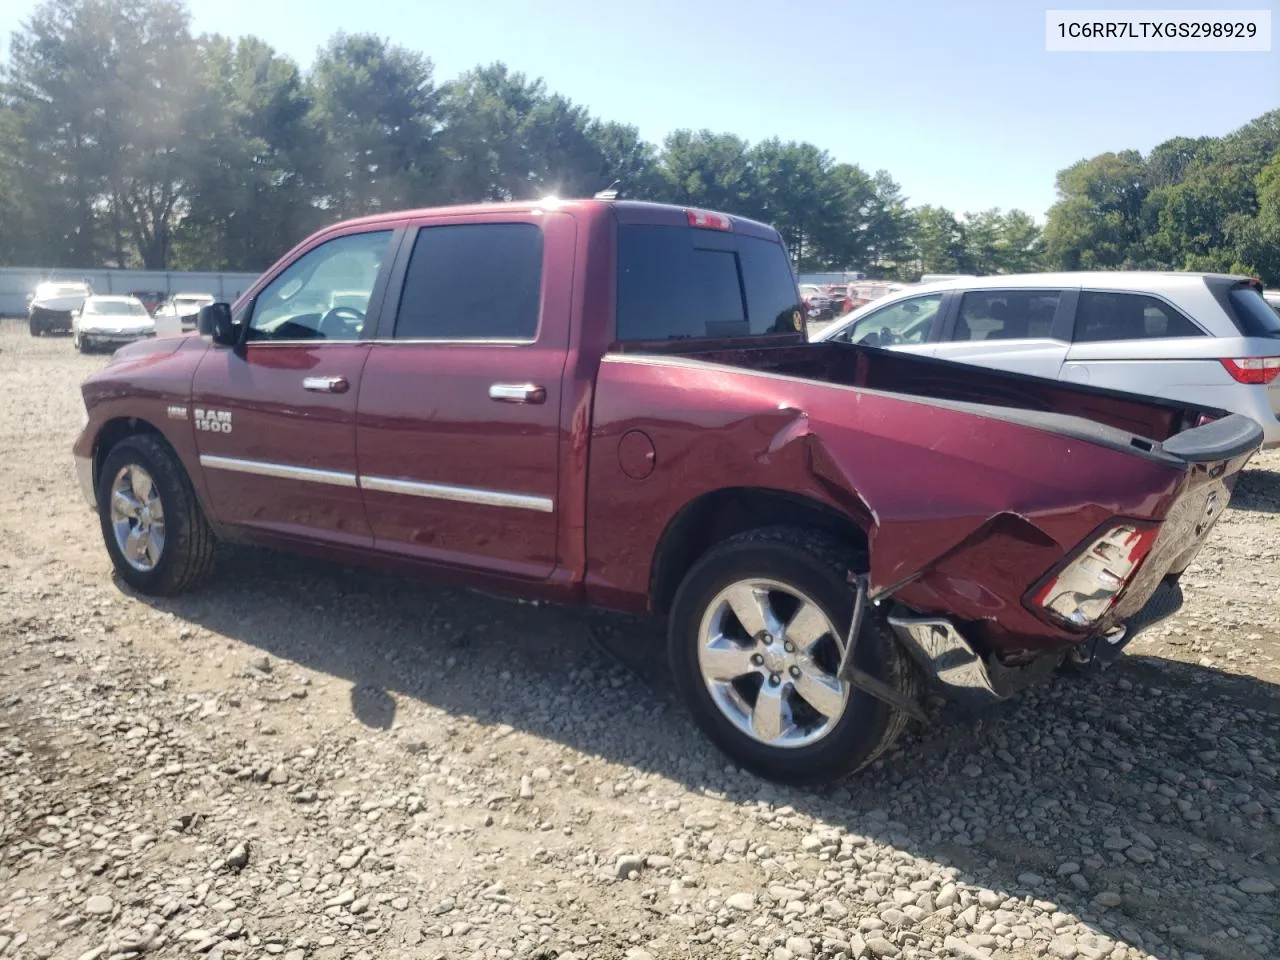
{"x": 177, "y": 413}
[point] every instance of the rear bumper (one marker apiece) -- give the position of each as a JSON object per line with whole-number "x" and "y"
{"x": 945, "y": 655}
{"x": 51, "y": 319}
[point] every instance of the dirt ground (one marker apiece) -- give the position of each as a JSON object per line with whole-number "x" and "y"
{"x": 309, "y": 761}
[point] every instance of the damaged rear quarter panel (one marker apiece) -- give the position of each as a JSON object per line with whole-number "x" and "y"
{"x": 998, "y": 503}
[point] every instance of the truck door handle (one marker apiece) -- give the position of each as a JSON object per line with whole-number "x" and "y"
{"x": 326, "y": 384}
{"x": 518, "y": 393}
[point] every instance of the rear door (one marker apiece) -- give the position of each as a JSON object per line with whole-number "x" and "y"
{"x": 275, "y": 417}
{"x": 459, "y": 409}
{"x": 1142, "y": 343}
{"x": 1021, "y": 330}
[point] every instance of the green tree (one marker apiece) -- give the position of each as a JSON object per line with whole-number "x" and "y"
{"x": 1256, "y": 239}
{"x": 889, "y": 227}
{"x": 709, "y": 170}
{"x": 1021, "y": 243}
{"x": 256, "y": 171}
{"x": 1097, "y": 221}
{"x": 380, "y": 113}
{"x": 939, "y": 241}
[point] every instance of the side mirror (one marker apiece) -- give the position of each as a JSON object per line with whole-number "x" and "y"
{"x": 214, "y": 320}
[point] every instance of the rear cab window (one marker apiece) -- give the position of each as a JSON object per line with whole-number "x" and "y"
{"x": 1104, "y": 315}
{"x": 686, "y": 283}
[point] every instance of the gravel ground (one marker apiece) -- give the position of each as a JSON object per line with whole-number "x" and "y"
{"x": 308, "y": 761}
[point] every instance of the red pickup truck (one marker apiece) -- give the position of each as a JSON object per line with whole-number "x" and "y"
{"x": 614, "y": 403}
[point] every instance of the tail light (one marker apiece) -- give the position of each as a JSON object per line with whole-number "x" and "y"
{"x": 1085, "y": 588}
{"x": 708, "y": 221}
{"x": 1253, "y": 369}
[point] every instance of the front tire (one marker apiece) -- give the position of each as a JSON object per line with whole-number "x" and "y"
{"x": 756, "y": 633}
{"x": 155, "y": 532}
{"x": 33, "y": 326}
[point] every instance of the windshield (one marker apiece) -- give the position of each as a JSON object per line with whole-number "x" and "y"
{"x": 1252, "y": 316}
{"x": 115, "y": 308}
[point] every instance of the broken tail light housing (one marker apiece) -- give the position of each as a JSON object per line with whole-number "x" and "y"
{"x": 1081, "y": 592}
{"x": 1260, "y": 370}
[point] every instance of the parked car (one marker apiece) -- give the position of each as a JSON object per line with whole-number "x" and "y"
{"x": 818, "y": 303}
{"x": 151, "y": 299}
{"x": 51, "y": 306}
{"x": 1205, "y": 339}
{"x": 107, "y": 321}
{"x": 178, "y": 314}
{"x": 613, "y": 403}
{"x": 863, "y": 293}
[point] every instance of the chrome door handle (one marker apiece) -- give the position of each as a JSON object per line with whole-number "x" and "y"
{"x": 326, "y": 384}
{"x": 517, "y": 393}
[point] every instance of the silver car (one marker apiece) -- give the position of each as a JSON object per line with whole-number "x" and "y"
{"x": 1209, "y": 339}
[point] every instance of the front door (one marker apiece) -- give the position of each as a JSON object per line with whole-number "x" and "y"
{"x": 275, "y": 418}
{"x": 459, "y": 417}
{"x": 905, "y": 325}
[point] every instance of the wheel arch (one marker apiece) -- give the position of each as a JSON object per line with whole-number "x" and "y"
{"x": 719, "y": 514}
{"x": 116, "y": 429}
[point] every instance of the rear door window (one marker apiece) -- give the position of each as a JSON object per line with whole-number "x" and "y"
{"x": 678, "y": 283}
{"x": 1128, "y": 316}
{"x": 472, "y": 281}
{"x": 1006, "y": 315}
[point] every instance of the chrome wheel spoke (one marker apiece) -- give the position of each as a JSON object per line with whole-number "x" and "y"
{"x": 821, "y": 691}
{"x": 123, "y": 504}
{"x": 750, "y": 604}
{"x": 151, "y": 547}
{"x": 137, "y": 517}
{"x": 771, "y": 716}
{"x": 775, "y": 685}
{"x": 140, "y": 481}
{"x": 725, "y": 659}
{"x": 135, "y": 545}
{"x": 807, "y": 627}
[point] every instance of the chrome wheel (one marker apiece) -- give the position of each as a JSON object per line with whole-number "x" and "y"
{"x": 137, "y": 518}
{"x": 768, "y": 656}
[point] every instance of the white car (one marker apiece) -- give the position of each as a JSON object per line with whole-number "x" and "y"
{"x": 51, "y": 307}
{"x": 178, "y": 314}
{"x": 111, "y": 321}
{"x": 1209, "y": 339}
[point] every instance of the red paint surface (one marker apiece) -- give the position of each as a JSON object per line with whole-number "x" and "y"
{"x": 974, "y": 508}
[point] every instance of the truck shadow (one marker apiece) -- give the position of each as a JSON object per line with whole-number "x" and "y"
{"x": 1177, "y": 760}
{"x": 1257, "y": 490}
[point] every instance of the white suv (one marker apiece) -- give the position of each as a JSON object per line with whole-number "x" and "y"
{"x": 1209, "y": 339}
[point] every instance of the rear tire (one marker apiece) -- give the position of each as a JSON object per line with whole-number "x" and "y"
{"x": 187, "y": 546}
{"x": 811, "y": 568}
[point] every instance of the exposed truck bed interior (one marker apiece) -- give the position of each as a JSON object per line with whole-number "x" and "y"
{"x": 905, "y": 373}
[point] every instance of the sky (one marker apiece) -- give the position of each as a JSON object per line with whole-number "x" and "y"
{"x": 959, "y": 102}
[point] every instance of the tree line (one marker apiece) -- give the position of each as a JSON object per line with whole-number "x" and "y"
{"x": 1206, "y": 204}
{"x": 126, "y": 140}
